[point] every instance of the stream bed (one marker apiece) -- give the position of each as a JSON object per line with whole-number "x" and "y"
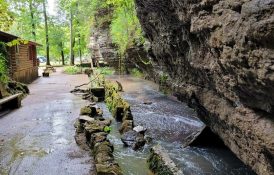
{"x": 168, "y": 122}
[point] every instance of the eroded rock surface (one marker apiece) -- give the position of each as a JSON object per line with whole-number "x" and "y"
{"x": 218, "y": 55}
{"x": 160, "y": 163}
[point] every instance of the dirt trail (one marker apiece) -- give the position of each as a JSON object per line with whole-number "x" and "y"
{"x": 38, "y": 138}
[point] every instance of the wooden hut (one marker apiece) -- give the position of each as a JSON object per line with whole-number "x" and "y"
{"x": 22, "y": 59}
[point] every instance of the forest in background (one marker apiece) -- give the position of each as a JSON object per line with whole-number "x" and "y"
{"x": 69, "y": 30}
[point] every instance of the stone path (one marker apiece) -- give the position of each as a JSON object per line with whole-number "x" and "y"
{"x": 38, "y": 138}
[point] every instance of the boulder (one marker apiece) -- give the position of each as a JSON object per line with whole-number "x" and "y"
{"x": 85, "y": 118}
{"x": 85, "y": 111}
{"x": 105, "y": 146}
{"x": 128, "y": 115}
{"x": 92, "y": 111}
{"x": 91, "y": 128}
{"x": 78, "y": 126}
{"x": 140, "y": 129}
{"x": 133, "y": 139}
{"x": 104, "y": 157}
{"x": 97, "y": 138}
{"x": 127, "y": 125}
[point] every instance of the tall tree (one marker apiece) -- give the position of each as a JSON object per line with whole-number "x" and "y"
{"x": 6, "y": 17}
{"x": 33, "y": 31}
{"x": 47, "y": 31}
{"x": 72, "y": 39}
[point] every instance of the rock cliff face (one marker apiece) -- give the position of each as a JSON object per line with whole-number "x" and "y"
{"x": 101, "y": 38}
{"x": 219, "y": 56}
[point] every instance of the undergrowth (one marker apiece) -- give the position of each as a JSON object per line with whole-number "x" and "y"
{"x": 72, "y": 70}
{"x": 3, "y": 63}
{"x": 136, "y": 73}
{"x": 105, "y": 70}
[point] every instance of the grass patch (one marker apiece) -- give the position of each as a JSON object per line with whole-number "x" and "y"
{"x": 105, "y": 70}
{"x": 72, "y": 70}
{"x": 136, "y": 73}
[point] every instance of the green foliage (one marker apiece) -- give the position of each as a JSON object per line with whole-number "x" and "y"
{"x": 163, "y": 78}
{"x": 3, "y": 63}
{"x": 17, "y": 42}
{"x": 107, "y": 129}
{"x": 125, "y": 26}
{"x": 6, "y": 17}
{"x": 87, "y": 16}
{"x": 105, "y": 71}
{"x": 136, "y": 73}
{"x": 72, "y": 70}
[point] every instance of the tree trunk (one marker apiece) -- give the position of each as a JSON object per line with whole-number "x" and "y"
{"x": 71, "y": 39}
{"x": 47, "y": 32}
{"x": 80, "y": 51}
{"x": 32, "y": 20}
{"x": 62, "y": 54}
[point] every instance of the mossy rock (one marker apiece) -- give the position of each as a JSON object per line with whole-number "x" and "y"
{"x": 94, "y": 127}
{"x": 160, "y": 163}
{"x": 85, "y": 111}
{"x": 79, "y": 126}
{"x": 98, "y": 138}
{"x": 106, "y": 145}
{"x": 127, "y": 125}
{"x": 104, "y": 157}
{"x": 14, "y": 87}
{"x": 3, "y": 91}
{"x": 108, "y": 169}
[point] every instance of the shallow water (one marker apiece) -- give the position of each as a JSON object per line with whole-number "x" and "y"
{"x": 131, "y": 162}
{"x": 168, "y": 122}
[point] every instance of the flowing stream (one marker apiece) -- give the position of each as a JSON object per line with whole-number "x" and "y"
{"x": 168, "y": 121}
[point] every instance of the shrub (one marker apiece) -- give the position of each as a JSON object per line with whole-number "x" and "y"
{"x": 136, "y": 73}
{"x": 3, "y": 63}
{"x": 72, "y": 70}
{"x": 105, "y": 71}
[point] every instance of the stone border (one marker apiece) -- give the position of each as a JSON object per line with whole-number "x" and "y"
{"x": 120, "y": 110}
{"x": 91, "y": 132}
{"x": 160, "y": 162}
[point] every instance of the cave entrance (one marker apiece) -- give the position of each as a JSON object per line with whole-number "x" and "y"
{"x": 205, "y": 138}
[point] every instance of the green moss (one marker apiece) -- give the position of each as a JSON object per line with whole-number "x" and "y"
{"x": 85, "y": 111}
{"x": 157, "y": 165}
{"x": 114, "y": 100}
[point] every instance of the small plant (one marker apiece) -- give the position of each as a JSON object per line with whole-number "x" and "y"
{"x": 163, "y": 78}
{"x": 72, "y": 70}
{"x": 107, "y": 129}
{"x": 105, "y": 71}
{"x": 136, "y": 73}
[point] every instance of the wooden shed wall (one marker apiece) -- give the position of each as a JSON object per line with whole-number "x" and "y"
{"x": 23, "y": 67}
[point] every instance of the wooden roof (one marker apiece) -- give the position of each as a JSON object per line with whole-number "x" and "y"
{"x": 6, "y": 37}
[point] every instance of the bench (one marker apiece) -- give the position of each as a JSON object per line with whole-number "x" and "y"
{"x": 11, "y": 102}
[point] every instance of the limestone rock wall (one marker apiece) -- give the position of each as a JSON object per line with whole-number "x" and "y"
{"x": 219, "y": 57}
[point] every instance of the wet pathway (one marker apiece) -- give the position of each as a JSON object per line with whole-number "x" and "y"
{"x": 38, "y": 138}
